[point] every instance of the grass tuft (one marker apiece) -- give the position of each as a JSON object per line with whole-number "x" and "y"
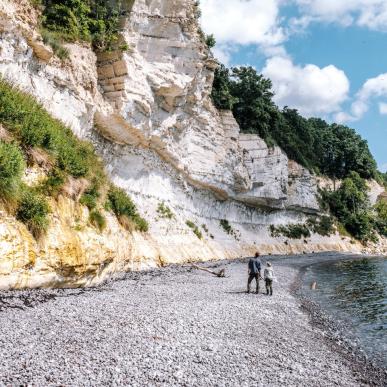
{"x": 194, "y": 228}
{"x": 97, "y": 220}
{"x": 33, "y": 210}
{"x": 122, "y": 205}
{"x": 12, "y": 166}
{"x": 226, "y": 226}
{"x": 164, "y": 211}
{"x": 55, "y": 41}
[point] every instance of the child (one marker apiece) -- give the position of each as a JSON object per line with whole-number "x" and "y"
{"x": 268, "y": 275}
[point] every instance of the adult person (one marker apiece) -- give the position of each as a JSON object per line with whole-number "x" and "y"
{"x": 268, "y": 275}
{"x": 254, "y": 271}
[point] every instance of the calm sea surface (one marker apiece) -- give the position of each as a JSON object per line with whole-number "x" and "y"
{"x": 354, "y": 292}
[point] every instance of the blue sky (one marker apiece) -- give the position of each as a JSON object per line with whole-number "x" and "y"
{"x": 325, "y": 58}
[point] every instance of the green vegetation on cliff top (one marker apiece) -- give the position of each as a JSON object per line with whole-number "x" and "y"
{"x": 328, "y": 149}
{"x": 95, "y": 21}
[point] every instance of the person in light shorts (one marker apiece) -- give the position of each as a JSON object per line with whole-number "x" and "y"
{"x": 268, "y": 275}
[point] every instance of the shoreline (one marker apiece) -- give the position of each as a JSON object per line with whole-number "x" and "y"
{"x": 335, "y": 335}
{"x": 178, "y": 326}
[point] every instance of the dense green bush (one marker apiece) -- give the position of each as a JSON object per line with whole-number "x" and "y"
{"x": 351, "y": 206}
{"x": 90, "y": 199}
{"x": 92, "y": 196}
{"x": 123, "y": 206}
{"x": 12, "y": 166}
{"x": 31, "y": 124}
{"x": 350, "y": 198}
{"x": 210, "y": 41}
{"x": 381, "y": 217}
{"x": 382, "y": 178}
{"x": 33, "y": 210}
{"x": 361, "y": 225}
{"x": 323, "y": 226}
{"x": 141, "y": 224}
{"x": 96, "y": 21}
{"x": 330, "y": 149}
{"x": 69, "y": 17}
{"x": 221, "y": 93}
{"x": 121, "y": 203}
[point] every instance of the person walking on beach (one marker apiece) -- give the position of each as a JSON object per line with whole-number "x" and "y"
{"x": 254, "y": 271}
{"x": 268, "y": 275}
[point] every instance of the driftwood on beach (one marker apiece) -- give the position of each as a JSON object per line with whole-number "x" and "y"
{"x": 221, "y": 273}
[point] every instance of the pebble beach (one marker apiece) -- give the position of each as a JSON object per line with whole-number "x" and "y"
{"x": 176, "y": 326}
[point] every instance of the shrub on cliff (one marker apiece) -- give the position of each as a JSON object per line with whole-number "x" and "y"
{"x": 33, "y": 210}
{"x": 53, "y": 183}
{"x": 96, "y": 21}
{"x": 164, "y": 211}
{"x": 210, "y": 41}
{"x": 33, "y": 126}
{"x": 55, "y": 41}
{"x": 12, "y": 166}
{"x": 194, "y": 228}
{"x": 291, "y": 231}
{"x": 97, "y": 220}
{"x": 122, "y": 205}
{"x": 322, "y": 226}
{"x": 351, "y": 206}
{"x": 381, "y": 216}
{"x": 35, "y": 132}
{"x": 382, "y": 178}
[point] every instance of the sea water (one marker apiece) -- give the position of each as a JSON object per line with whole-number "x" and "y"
{"x": 354, "y": 292}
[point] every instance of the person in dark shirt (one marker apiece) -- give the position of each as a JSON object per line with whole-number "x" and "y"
{"x": 254, "y": 271}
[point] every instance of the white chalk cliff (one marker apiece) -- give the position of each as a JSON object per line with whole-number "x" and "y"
{"x": 149, "y": 114}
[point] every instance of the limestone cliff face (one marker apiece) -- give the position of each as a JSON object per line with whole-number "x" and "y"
{"x": 162, "y": 91}
{"x": 149, "y": 114}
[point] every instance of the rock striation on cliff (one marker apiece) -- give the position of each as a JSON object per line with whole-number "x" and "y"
{"x": 148, "y": 112}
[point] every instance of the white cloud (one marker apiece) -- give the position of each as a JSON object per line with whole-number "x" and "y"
{"x": 342, "y": 117}
{"x": 383, "y": 108}
{"x": 383, "y": 168}
{"x": 243, "y": 21}
{"x": 310, "y": 89}
{"x": 365, "y": 13}
{"x": 371, "y": 89}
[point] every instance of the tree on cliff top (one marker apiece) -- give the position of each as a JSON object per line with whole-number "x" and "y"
{"x": 96, "y": 21}
{"x": 330, "y": 149}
